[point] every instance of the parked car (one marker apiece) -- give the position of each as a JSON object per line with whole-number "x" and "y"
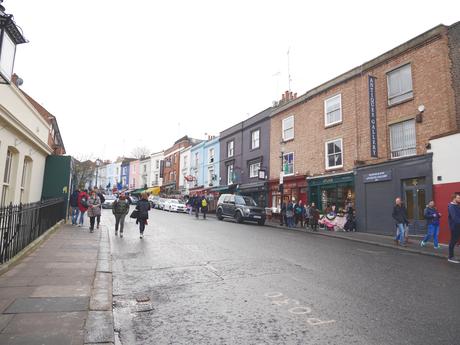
{"x": 132, "y": 199}
{"x": 175, "y": 205}
{"x": 161, "y": 204}
{"x": 241, "y": 208}
{"x": 109, "y": 200}
{"x": 154, "y": 201}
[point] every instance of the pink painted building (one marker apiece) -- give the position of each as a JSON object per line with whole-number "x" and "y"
{"x": 134, "y": 176}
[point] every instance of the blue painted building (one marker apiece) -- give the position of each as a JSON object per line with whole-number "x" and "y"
{"x": 204, "y": 165}
{"x": 124, "y": 173}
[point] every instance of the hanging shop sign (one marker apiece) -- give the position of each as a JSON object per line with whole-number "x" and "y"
{"x": 373, "y": 117}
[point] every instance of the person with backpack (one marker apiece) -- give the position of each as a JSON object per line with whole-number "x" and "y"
{"x": 314, "y": 217}
{"x": 73, "y": 202}
{"x": 94, "y": 209}
{"x": 290, "y": 214}
{"x": 120, "y": 209}
{"x": 197, "y": 206}
{"x": 432, "y": 216}
{"x": 102, "y": 198}
{"x": 204, "y": 206}
{"x": 143, "y": 208}
{"x": 299, "y": 213}
{"x": 82, "y": 205}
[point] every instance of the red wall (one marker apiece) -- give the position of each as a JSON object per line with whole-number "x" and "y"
{"x": 442, "y": 197}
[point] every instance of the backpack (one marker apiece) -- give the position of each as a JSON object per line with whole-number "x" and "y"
{"x": 101, "y": 197}
{"x": 84, "y": 201}
{"x": 204, "y": 203}
{"x": 298, "y": 210}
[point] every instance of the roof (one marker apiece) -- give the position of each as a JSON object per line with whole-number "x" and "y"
{"x": 261, "y": 116}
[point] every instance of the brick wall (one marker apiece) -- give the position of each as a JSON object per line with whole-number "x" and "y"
{"x": 430, "y": 65}
{"x": 454, "y": 51}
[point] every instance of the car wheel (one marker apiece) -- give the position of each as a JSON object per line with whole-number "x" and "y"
{"x": 239, "y": 217}
{"x": 261, "y": 222}
{"x": 219, "y": 214}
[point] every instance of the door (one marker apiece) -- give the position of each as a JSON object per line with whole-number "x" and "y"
{"x": 415, "y": 199}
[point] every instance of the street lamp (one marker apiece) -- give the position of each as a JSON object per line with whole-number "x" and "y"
{"x": 281, "y": 187}
{"x": 10, "y": 37}
{"x": 98, "y": 163}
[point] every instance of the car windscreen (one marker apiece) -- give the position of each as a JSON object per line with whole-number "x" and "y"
{"x": 244, "y": 200}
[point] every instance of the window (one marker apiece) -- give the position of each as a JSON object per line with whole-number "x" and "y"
{"x": 171, "y": 176}
{"x": 230, "y": 174}
{"x": 255, "y": 139}
{"x": 211, "y": 155}
{"x": 185, "y": 162}
{"x": 7, "y": 175}
{"x": 254, "y": 169}
{"x": 157, "y": 164}
{"x": 156, "y": 179}
{"x": 288, "y": 128}
{"x": 402, "y": 139}
{"x": 197, "y": 160}
{"x": 210, "y": 176}
{"x": 288, "y": 164}
{"x": 25, "y": 179}
{"x": 334, "y": 154}
{"x": 333, "y": 110}
{"x": 399, "y": 84}
{"x": 230, "y": 151}
{"x": 144, "y": 168}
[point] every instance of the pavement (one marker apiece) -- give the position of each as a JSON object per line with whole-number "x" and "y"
{"x": 61, "y": 293}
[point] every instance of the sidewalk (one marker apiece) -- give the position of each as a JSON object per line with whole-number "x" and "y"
{"x": 61, "y": 293}
{"x": 379, "y": 240}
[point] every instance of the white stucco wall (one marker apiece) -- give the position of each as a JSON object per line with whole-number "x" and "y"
{"x": 154, "y": 170}
{"x": 184, "y": 170}
{"x": 446, "y": 159}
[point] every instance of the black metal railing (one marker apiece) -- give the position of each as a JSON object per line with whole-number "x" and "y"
{"x": 21, "y": 224}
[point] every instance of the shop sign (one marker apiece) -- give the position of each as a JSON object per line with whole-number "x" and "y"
{"x": 373, "y": 117}
{"x": 377, "y": 176}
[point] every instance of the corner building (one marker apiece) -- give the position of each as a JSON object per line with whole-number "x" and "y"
{"x": 363, "y": 136}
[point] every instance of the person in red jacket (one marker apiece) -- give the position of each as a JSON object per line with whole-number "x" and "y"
{"x": 82, "y": 205}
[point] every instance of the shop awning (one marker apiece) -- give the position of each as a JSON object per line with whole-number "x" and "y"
{"x": 153, "y": 190}
{"x": 255, "y": 186}
{"x": 138, "y": 191}
{"x": 220, "y": 189}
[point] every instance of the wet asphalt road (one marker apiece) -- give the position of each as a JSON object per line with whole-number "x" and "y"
{"x": 212, "y": 282}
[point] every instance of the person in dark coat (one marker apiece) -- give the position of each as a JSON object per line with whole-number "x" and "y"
{"x": 314, "y": 217}
{"x": 399, "y": 215}
{"x": 350, "y": 224}
{"x": 290, "y": 214}
{"x": 120, "y": 209}
{"x": 143, "y": 207}
{"x": 432, "y": 217}
{"x": 283, "y": 219}
{"x": 83, "y": 198}
{"x": 299, "y": 213}
{"x": 204, "y": 206}
{"x": 73, "y": 202}
{"x": 454, "y": 225}
{"x": 197, "y": 206}
{"x": 102, "y": 198}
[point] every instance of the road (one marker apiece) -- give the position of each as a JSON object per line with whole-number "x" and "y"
{"x": 217, "y": 282}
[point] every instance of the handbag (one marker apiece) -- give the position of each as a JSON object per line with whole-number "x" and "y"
{"x": 134, "y": 214}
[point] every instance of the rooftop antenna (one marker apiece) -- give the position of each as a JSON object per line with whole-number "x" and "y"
{"x": 289, "y": 69}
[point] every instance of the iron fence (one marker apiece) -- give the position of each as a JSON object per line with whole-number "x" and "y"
{"x": 21, "y": 224}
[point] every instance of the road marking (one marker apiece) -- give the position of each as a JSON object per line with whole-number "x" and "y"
{"x": 273, "y": 294}
{"x": 312, "y": 321}
{"x": 300, "y": 310}
{"x": 368, "y": 251}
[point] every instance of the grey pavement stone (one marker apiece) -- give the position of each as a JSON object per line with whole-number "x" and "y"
{"x": 99, "y": 327}
{"x": 69, "y": 279}
{"x": 73, "y": 338}
{"x": 16, "y": 281}
{"x": 14, "y": 292}
{"x": 4, "y": 321}
{"x": 43, "y": 305}
{"x": 5, "y": 302}
{"x": 101, "y": 296}
{"x": 104, "y": 266}
{"x": 45, "y": 323}
{"x": 71, "y": 265}
{"x": 61, "y": 291}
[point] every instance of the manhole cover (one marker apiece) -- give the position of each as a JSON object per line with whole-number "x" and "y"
{"x": 142, "y": 299}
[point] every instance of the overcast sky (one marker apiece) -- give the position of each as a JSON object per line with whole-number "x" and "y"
{"x": 121, "y": 74}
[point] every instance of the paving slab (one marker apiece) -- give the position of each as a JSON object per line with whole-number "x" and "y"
{"x": 99, "y": 327}
{"x": 62, "y": 291}
{"x": 43, "y": 305}
{"x": 16, "y": 281}
{"x": 51, "y": 322}
{"x": 14, "y": 292}
{"x": 69, "y": 279}
{"x": 4, "y": 321}
{"x": 68, "y": 338}
{"x": 5, "y": 302}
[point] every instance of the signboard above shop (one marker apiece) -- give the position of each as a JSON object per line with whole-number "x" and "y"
{"x": 377, "y": 176}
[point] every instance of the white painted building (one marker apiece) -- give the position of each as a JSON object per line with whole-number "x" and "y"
{"x": 145, "y": 171}
{"x": 24, "y": 135}
{"x": 155, "y": 165}
{"x": 184, "y": 169}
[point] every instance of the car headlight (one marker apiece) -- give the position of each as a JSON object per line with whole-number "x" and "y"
{"x": 246, "y": 210}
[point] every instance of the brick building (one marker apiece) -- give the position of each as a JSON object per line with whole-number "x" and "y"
{"x": 363, "y": 135}
{"x": 171, "y": 164}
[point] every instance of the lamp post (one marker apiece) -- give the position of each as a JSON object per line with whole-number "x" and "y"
{"x": 98, "y": 163}
{"x": 10, "y": 37}
{"x": 281, "y": 186}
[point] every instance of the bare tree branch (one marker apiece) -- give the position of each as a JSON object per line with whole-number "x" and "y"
{"x": 140, "y": 151}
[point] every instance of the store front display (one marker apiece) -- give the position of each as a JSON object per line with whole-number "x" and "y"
{"x": 295, "y": 189}
{"x": 331, "y": 192}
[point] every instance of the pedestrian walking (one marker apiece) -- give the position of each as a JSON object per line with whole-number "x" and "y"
{"x": 204, "y": 206}
{"x": 94, "y": 209}
{"x": 314, "y": 217}
{"x": 283, "y": 219}
{"x": 350, "y": 224}
{"x": 399, "y": 215}
{"x": 197, "y": 206}
{"x": 299, "y": 213}
{"x": 73, "y": 202}
{"x": 82, "y": 206}
{"x": 432, "y": 217}
{"x": 102, "y": 199}
{"x": 454, "y": 225}
{"x": 120, "y": 209}
{"x": 143, "y": 208}
{"x": 307, "y": 215}
{"x": 290, "y": 214}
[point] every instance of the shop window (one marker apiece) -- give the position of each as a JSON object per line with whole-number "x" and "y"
{"x": 230, "y": 174}
{"x": 334, "y": 154}
{"x": 400, "y": 85}
{"x": 288, "y": 164}
{"x": 288, "y": 128}
{"x": 255, "y": 139}
{"x": 403, "y": 139}
{"x": 230, "y": 149}
{"x": 333, "y": 110}
{"x": 254, "y": 170}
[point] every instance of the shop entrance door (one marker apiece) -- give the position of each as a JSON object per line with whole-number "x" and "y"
{"x": 415, "y": 199}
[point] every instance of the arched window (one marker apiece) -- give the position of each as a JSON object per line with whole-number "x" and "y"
{"x": 9, "y": 175}
{"x": 25, "y": 179}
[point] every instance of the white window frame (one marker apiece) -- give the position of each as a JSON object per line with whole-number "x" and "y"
{"x": 210, "y": 174}
{"x": 328, "y": 124}
{"x": 284, "y": 129}
{"x": 230, "y": 176}
{"x": 255, "y": 141}
{"x": 197, "y": 160}
{"x": 211, "y": 154}
{"x": 254, "y": 172}
{"x": 327, "y": 154}
{"x": 157, "y": 164}
{"x": 407, "y": 151}
{"x": 230, "y": 148}
{"x": 293, "y": 160}
{"x": 403, "y": 95}
{"x": 7, "y": 175}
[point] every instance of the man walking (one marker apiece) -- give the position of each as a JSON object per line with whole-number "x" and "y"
{"x": 400, "y": 217}
{"x": 75, "y": 211}
{"x": 454, "y": 225}
{"x": 197, "y": 206}
{"x": 120, "y": 209}
{"x": 204, "y": 206}
{"x": 432, "y": 216}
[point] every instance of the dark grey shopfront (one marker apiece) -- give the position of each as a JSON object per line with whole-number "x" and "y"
{"x": 377, "y": 187}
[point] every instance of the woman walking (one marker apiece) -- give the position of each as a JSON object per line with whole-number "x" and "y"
{"x": 432, "y": 222}
{"x": 82, "y": 202}
{"x": 143, "y": 208}
{"x": 120, "y": 209}
{"x": 314, "y": 217}
{"x": 94, "y": 209}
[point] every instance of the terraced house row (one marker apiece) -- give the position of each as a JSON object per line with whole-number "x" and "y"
{"x": 389, "y": 127}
